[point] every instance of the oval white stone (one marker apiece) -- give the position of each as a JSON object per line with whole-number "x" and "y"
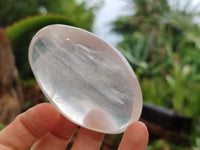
{"x": 87, "y": 80}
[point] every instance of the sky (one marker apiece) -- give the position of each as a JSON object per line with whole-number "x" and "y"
{"x": 108, "y": 13}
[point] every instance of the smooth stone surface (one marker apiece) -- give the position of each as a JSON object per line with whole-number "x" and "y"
{"x": 86, "y": 79}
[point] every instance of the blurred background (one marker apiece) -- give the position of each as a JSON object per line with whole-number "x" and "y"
{"x": 159, "y": 38}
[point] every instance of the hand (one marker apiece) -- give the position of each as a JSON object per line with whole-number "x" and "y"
{"x": 44, "y": 128}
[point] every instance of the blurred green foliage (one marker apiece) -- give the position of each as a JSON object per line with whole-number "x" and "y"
{"x": 15, "y": 10}
{"x": 161, "y": 42}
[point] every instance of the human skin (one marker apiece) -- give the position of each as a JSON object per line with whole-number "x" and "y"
{"x": 43, "y": 127}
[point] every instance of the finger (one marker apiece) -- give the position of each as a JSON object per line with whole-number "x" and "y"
{"x": 135, "y": 137}
{"x": 87, "y": 140}
{"x": 58, "y": 138}
{"x": 29, "y": 127}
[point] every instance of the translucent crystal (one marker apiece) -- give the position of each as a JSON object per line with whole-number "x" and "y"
{"x": 87, "y": 80}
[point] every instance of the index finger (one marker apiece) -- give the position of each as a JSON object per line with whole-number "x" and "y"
{"x": 29, "y": 127}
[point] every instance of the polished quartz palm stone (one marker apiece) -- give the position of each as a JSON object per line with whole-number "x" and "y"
{"x": 86, "y": 79}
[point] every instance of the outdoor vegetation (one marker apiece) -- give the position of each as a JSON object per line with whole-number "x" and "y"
{"x": 161, "y": 41}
